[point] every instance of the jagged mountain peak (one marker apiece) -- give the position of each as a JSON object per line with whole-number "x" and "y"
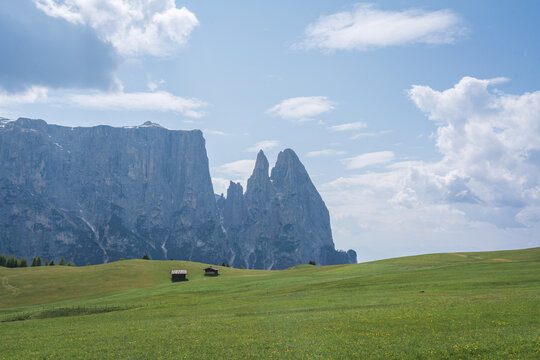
{"x": 261, "y": 164}
{"x": 259, "y": 179}
{"x": 289, "y": 170}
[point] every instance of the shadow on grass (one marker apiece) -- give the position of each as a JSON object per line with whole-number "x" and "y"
{"x": 65, "y": 311}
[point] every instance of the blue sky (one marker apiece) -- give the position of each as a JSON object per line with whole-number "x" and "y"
{"x": 419, "y": 122}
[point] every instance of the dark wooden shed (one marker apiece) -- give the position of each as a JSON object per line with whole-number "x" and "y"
{"x": 211, "y": 271}
{"x": 178, "y": 275}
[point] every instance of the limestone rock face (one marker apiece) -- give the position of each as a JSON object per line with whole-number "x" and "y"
{"x": 101, "y": 193}
{"x": 98, "y": 194}
{"x": 286, "y": 221}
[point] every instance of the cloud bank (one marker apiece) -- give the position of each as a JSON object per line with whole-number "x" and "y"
{"x": 484, "y": 192}
{"x": 161, "y": 101}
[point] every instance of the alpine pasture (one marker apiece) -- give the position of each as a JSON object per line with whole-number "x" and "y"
{"x": 440, "y": 306}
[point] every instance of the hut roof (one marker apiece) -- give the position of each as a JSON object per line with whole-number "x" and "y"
{"x": 178, "y": 272}
{"x": 211, "y": 268}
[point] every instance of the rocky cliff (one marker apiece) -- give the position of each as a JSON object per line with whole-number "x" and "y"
{"x": 101, "y": 193}
{"x": 281, "y": 220}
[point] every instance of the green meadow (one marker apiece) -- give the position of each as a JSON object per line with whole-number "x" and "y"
{"x": 441, "y": 306}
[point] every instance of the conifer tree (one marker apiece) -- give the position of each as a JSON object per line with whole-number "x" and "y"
{"x": 3, "y": 260}
{"x": 62, "y": 261}
{"x": 38, "y": 261}
{"x": 12, "y": 262}
{"x": 51, "y": 263}
{"x": 23, "y": 263}
{"x": 34, "y": 261}
{"x": 146, "y": 257}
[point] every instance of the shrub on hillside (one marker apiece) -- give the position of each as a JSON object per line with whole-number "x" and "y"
{"x": 311, "y": 262}
{"x": 146, "y": 257}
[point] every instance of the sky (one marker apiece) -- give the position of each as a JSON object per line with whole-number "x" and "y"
{"x": 418, "y": 121}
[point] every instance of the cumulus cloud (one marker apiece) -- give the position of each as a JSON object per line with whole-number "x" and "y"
{"x": 373, "y": 158}
{"x": 483, "y": 193}
{"x": 488, "y": 140}
{"x": 366, "y": 27}
{"x": 348, "y": 126}
{"x": 302, "y": 108}
{"x": 133, "y": 27}
{"x": 264, "y": 145}
{"x": 325, "y": 152}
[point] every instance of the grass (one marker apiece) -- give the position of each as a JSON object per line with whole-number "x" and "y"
{"x": 440, "y": 306}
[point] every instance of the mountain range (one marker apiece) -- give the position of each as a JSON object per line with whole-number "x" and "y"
{"x": 98, "y": 194}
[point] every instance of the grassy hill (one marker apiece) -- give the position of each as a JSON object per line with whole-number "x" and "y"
{"x": 440, "y": 306}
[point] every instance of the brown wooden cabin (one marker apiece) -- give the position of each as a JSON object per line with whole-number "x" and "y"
{"x": 211, "y": 271}
{"x": 178, "y": 275}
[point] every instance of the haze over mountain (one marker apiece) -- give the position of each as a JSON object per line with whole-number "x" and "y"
{"x": 101, "y": 193}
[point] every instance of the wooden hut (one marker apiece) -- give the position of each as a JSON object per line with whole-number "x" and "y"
{"x": 178, "y": 275}
{"x": 211, "y": 271}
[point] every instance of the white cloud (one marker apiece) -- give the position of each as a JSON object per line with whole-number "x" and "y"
{"x": 138, "y": 101}
{"x": 348, "y": 126}
{"x": 32, "y": 95}
{"x": 374, "y": 158}
{"x": 302, "y": 108}
{"x": 264, "y": 145}
{"x": 488, "y": 139}
{"x": 120, "y": 101}
{"x": 133, "y": 27}
{"x": 325, "y": 152}
{"x": 366, "y": 27}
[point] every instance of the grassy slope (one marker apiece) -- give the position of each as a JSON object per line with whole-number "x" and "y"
{"x": 474, "y": 305}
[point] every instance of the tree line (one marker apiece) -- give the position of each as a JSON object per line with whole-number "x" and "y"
{"x": 13, "y": 262}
